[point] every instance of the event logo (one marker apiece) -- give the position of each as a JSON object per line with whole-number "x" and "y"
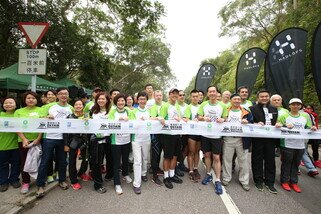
{"x": 6, "y": 124}
{"x": 110, "y": 126}
{"x": 226, "y": 129}
{"x": 86, "y": 123}
{"x": 166, "y": 127}
{"x": 42, "y": 125}
{"x": 285, "y": 50}
{"x": 250, "y": 58}
{"x": 232, "y": 129}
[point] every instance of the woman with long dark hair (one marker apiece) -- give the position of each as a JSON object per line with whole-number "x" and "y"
{"x": 99, "y": 142}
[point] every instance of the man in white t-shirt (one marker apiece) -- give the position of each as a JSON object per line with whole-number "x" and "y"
{"x": 54, "y": 142}
{"x": 150, "y": 92}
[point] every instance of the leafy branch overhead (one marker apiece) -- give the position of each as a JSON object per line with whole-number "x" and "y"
{"x": 94, "y": 42}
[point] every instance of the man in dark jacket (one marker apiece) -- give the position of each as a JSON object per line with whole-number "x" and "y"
{"x": 263, "y": 149}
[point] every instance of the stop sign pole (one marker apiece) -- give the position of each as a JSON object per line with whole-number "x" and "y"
{"x": 31, "y": 62}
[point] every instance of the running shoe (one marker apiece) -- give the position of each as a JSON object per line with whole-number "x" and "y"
{"x": 137, "y": 190}
{"x": 118, "y": 189}
{"x": 197, "y": 174}
{"x": 286, "y": 186}
{"x": 76, "y": 186}
{"x": 50, "y": 179}
{"x": 295, "y": 187}
{"x": 271, "y": 188}
{"x": 156, "y": 180}
{"x": 176, "y": 179}
{"x": 168, "y": 183}
{"x": 218, "y": 187}
{"x": 259, "y": 186}
{"x": 207, "y": 179}
{"x": 127, "y": 179}
{"x": 24, "y": 188}
{"x": 317, "y": 163}
{"x": 313, "y": 173}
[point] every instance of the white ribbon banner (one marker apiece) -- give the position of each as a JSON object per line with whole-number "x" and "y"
{"x": 152, "y": 127}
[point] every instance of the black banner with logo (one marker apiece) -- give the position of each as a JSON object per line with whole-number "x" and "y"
{"x": 268, "y": 83}
{"x": 248, "y": 68}
{"x": 286, "y": 56}
{"x": 204, "y": 77}
{"x": 316, "y": 60}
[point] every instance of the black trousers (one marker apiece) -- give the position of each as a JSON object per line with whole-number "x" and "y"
{"x": 156, "y": 150}
{"x": 120, "y": 152}
{"x": 315, "y": 148}
{"x": 291, "y": 159}
{"x": 72, "y": 168}
{"x": 263, "y": 160}
{"x": 97, "y": 150}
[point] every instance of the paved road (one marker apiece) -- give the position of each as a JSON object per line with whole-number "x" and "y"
{"x": 184, "y": 198}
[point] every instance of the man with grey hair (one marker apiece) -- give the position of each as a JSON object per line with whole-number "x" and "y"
{"x": 226, "y": 98}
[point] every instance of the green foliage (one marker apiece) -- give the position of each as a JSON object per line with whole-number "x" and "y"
{"x": 93, "y": 42}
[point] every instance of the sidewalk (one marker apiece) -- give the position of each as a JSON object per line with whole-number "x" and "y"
{"x": 12, "y": 201}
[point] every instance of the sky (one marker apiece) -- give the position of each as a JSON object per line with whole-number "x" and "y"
{"x": 192, "y": 29}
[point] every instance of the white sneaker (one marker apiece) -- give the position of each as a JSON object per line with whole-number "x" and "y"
{"x": 118, "y": 189}
{"x": 127, "y": 179}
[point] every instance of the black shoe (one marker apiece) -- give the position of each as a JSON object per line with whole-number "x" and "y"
{"x": 259, "y": 186}
{"x": 179, "y": 172}
{"x": 271, "y": 188}
{"x": 144, "y": 178}
{"x": 4, "y": 187}
{"x": 168, "y": 183}
{"x": 156, "y": 180}
{"x": 16, "y": 184}
{"x": 101, "y": 190}
{"x": 108, "y": 177}
{"x": 176, "y": 179}
{"x": 182, "y": 167}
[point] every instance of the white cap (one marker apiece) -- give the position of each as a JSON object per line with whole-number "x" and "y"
{"x": 295, "y": 100}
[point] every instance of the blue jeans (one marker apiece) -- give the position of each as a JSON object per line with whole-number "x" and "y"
{"x": 9, "y": 158}
{"x": 48, "y": 147}
{"x": 307, "y": 162}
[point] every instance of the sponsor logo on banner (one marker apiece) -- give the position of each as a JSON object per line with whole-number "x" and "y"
{"x": 6, "y": 124}
{"x": 209, "y": 127}
{"x": 25, "y": 124}
{"x": 148, "y": 126}
{"x": 290, "y": 132}
{"x": 232, "y": 129}
{"x": 86, "y": 123}
{"x": 110, "y": 126}
{"x": 285, "y": 49}
{"x": 175, "y": 126}
{"x": 50, "y": 125}
{"x": 130, "y": 125}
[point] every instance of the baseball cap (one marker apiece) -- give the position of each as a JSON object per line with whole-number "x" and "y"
{"x": 97, "y": 89}
{"x": 295, "y": 100}
{"x": 173, "y": 90}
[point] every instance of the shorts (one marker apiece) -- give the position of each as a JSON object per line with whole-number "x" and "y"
{"x": 184, "y": 141}
{"x": 212, "y": 145}
{"x": 195, "y": 137}
{"x": 171, "y": 145}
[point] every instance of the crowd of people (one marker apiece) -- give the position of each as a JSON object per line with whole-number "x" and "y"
{"x": 106, "y": 157}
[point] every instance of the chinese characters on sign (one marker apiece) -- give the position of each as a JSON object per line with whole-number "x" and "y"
{"x": 32, "y": 61}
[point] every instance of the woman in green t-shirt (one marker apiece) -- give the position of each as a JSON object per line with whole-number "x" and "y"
{"x": 31, "y": 110}
{"x": 9, "y": 150}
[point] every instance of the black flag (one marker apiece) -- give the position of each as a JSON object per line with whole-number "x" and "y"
{"x": 286, "y": 57}
{"x": 204, "y": 77}
{"x": 268, "y": 83}
{"x": 316, "y": 60}
{"x": 248, "y": 68}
